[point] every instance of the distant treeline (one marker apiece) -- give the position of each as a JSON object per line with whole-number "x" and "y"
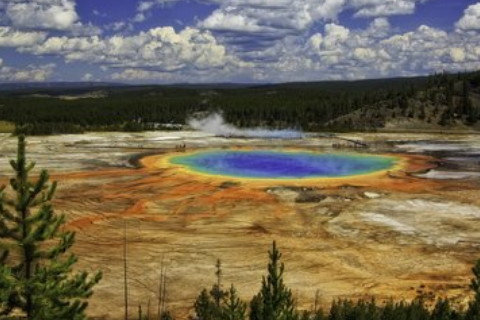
{"x": 310, "y": 106}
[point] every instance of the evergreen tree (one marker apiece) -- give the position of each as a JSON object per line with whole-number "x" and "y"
{"x": 318, "y": 315}
{"x": 466, "y": 104}
{"x": 40, "y": 280}
{"x": 274, "y": 301}
{"x": 442, "y": 310}
{"x": 417, "y": 311}
{"x": 208, "y": 304}
{"x": 217, "y": 293}
{"x": 335, "y": 311}
{"x": 205, "y": 307}
{"x": 256, "y": 308}
{"x": 6, "y": 281}
{"x": 233, "y": 308}
{"x": 167, "y": 316}
{"x": 473, "y": 312}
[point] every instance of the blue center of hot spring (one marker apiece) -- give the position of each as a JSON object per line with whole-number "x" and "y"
{"x": 282, "y": 165}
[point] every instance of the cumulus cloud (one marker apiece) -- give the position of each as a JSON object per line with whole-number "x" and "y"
{"x": 275, "y": 19}
{"x": 257, "y": 40}
{"x": 378, "y": 8}
{"x": 470, "y": 19}
{"x": 340, "y": 53}
{"x": 457, "y": 54}
{"x": 31, "y": 73}
{"x": 14, "y": 38}
{"x": 334, "y": 35}
{"x": 87, "y": 77}
{"x": 379, "y": 27}
{"x": 160, "y": 49}
{"x": 44, "y": 14}
{"x": 364, "y": 54}
{"x": 252, "y": 27}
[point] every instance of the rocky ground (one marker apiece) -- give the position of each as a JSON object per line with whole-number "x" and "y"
{"x": 398, "y": 235}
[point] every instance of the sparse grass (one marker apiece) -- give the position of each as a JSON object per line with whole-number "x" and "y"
{"x": 6, "y": 127}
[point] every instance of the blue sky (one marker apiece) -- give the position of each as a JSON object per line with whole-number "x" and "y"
{"x": 168, "y": 41}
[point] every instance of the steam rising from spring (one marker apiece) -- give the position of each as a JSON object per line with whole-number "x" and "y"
{"x": 215, "y": 124}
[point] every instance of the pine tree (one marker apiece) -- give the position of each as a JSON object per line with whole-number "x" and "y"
{"x": 217, "y": 293}
{"x": 473, "y": 312}
{"x": 274, "y": 301}
{"x": 256, "y": 308}
{"x": 205, "y": 307}
{"x": 208, "y": 304}
{"x": 417, "y": 310}
{"x": 166, "y": 316}
{"x": 442, "y": 310}
{"x": 233, "y": 308}
{"x": 40, "y": 280}
{"x": 6, "y": 281}
{"x": 336, "y": 311}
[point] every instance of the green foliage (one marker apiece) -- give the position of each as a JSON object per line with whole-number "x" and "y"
{"x": 233, "y": 308}
{"x": 309, "y": 106}
{"x": 442, "y": 310}
{"x": 6, "y": 281}
{"x": 217, "y": 293}
{"x": 166, "y": 316}
{"x": 274, "y": 301}
{"x": 473, "y": 312}
{"x": 40, "y": 283}
{"x": 205, "y": 307}
{"x": 218, "y": 304}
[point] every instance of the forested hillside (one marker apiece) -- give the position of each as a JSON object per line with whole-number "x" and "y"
{"x": 436, "y": 101}
{"x": 445, "y": 103}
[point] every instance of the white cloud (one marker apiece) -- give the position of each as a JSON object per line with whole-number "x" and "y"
{"x": 139, "y": 17}
{"x": 334, "y": 36}
{"x": 160, "y": 49}
{"x": 226, "y": 21}
{"x": 87, "y": 77}
{"x": 379, "y": 27}
{"x": 43, "y": 14}
{"x": 119, "y": 26}
{"x": 457, "y": 54}
{"x": 364, "y": 54}
{"x": 14, "y": 38}
{"x": 261, "y": 40}
{"x": 340, "y": 53}
{"x": 31, "y": 73}
{"x": 315, "y": 42}
{"x": 470, "y": 19}
{"x": 379, "y": 8}
{"x": 145, "y": 5}
{"x": 143, "y": 75}
{"x": 277, "y": 18}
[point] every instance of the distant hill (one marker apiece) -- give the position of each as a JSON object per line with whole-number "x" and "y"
{"x": 14, "y": 86}
{"x": 437, "y": 102}
{"x": 446, "y": 103}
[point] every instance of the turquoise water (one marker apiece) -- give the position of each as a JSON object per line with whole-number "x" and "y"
{"x": 282, "y": 165}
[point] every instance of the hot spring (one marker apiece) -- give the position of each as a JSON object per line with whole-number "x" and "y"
{"x": 269, "y": 164}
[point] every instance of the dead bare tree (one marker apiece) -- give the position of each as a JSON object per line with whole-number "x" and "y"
{"x": 125, "y": 283}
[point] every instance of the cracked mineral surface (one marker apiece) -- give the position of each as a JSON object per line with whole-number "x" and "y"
{"x": 397, "y": 234}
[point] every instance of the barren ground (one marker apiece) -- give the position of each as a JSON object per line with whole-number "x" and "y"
{"x": 397, "y": 235}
